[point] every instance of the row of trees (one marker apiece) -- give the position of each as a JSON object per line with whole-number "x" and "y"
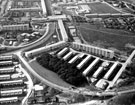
{"x": 68, "y": 72}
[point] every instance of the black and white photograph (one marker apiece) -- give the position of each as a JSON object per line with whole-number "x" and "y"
{"x": 67, "y": 52}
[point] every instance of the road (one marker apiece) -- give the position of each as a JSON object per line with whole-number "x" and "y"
{"x": 29, "y": 85}
{"x": 46, "y": 36}
{"x": 64, "y": 89}
{"x": 48, "y": 7}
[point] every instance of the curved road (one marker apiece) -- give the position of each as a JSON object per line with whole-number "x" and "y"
{"x": 50, "y": 30}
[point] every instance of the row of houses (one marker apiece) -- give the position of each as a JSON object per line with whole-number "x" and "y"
{"x": 9, "y": 81}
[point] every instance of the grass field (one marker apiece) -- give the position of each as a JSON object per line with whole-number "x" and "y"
{"x": 101, "y": 8}
{"x": 107, "y": 37}
{"x": 48, "y": 75}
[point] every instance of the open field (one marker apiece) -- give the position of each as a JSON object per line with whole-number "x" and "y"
{"x": 101, "y": 8}
{"x": 107, "y": 37}
{"x": 48, "y": 75}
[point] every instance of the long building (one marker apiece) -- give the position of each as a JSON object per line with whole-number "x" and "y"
{"x": 62, "y": 52}
{"x": 7, "y": 69}
{"x": 6, "y": 63}
{"x": 63, "y": 30}
{"x": 67, "y": 55}
{"x": 8, "y": 100}
{"x": 25, "y": 9}
{"x": 11, "y": 83}
{"x": 84, "y": 61}
{"x": 108, "y": 15}
{"x": 6, "y": 57}
{"x": 110, "y": 70}
{"x": 98, "y": 71}
{"x": 35, "y": 52}
{"x": 89, "y": 68}
{"x": 43, "y": 3}
{"x": 11, "y": 92}
{"x": 15, "y": 27}
{"x": 5, "y": 77}
{"x": 93, "y": 50}
{"x": 74, "y": 59}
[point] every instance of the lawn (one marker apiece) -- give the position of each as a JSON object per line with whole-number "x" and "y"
{"x": 107, "y": 37}
{"x": 101, "y": 8}
{"x": 48, "y": 75}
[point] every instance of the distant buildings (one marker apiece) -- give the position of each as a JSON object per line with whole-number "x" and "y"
{"x": 8, "y": 100}
{"x": 66, "y": 1}
{"x": 15, "y": 27}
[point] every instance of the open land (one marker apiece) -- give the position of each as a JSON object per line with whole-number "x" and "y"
{"x": 109, "y": 37}
{"x": 101, "y": 8}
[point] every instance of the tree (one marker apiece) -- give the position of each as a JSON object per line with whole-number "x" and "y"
{"x": 67, "y": 72}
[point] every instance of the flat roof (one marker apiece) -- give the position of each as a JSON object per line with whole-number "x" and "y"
{"x": 13, "y": 81}
{"x": 11, "y": 91}
{"x": 7, "y": 68}
{"x": 6, "y": 75}
{"x": 9, "y": 98}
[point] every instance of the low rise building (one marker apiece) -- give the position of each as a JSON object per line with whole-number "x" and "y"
{"x": 11, "y": 92}
{"x": 8, "y": 100}
{"x": 15, "y": 27}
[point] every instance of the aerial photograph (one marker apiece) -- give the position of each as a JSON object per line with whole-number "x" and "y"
{"x": 67, "y": 52}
